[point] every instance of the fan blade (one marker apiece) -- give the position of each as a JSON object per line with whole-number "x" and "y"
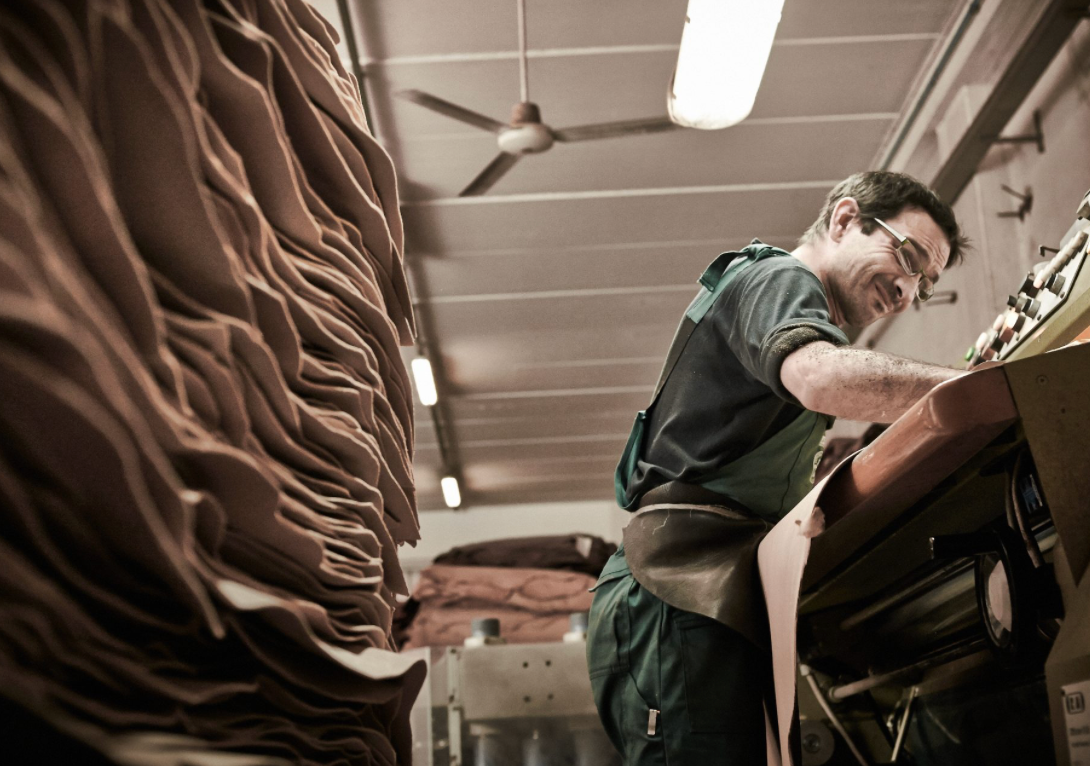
{"x": 612, "y": 129}
{"x": 487, "y": 178}
{"x": 453, "y": 111}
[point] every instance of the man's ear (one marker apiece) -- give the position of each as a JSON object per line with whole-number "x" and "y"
{"x": 844, "y": 213}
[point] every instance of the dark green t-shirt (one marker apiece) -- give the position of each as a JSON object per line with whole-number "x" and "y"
{"x": 724, "y": 397}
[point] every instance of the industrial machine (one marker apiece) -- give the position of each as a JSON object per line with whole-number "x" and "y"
{"x": 488, "y": 703}
{"x": 1038, "y": 317}
{"x": 945, "y": 614}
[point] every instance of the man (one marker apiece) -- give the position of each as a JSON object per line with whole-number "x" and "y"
{"x": 677, "y": 645}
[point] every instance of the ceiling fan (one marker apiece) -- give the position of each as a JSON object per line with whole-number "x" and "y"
{"x": 525, "y": 133}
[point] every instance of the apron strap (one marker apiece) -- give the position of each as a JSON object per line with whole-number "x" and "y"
{"x": 712, "y": 284}
{"x": 713, "y": 281}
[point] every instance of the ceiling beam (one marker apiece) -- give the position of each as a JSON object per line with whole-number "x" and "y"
{"x": 348, "y": 27}
{"x": 1047, "y": 27}
{"x": 442, "y": 425}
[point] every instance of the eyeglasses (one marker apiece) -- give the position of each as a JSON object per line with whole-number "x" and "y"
{"x": 911, "y": 261}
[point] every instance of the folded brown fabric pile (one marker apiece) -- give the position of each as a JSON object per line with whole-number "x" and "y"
{"x": 532, "y": 605}
{"x": 576, "y": 553}
{"x": 205, "y": 460}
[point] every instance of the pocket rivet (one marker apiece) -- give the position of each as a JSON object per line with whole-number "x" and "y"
{"x": 652, "y": 721}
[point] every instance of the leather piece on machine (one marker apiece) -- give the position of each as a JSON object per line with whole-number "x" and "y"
{"x": 703, "y": 559}
{"x": 206, "y": 464}
{"x": 781, "y": 559}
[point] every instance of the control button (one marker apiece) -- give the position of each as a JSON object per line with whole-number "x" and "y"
{"x": 1011, "y": 300}
{"x": 981, "y": 342}
{"x": 970, "y": 353}
{"x": 1032, "y": 308}
{"x": 1006, "y": 333}
{"x": 1019, "y": 322}
{"x": 1020, "y": 305}
{"x": 1028, "y": 287}
{"x": 997, "y": 325}
{"x": 1056, "y": 283}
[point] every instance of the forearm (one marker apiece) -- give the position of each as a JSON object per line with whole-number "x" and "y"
{"x": 859, "y": 384}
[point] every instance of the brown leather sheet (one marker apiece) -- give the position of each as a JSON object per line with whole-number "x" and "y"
{"x": 533, "y": 605}
{"x": 206, "y": 460}
{"x": 451, "y": 626}
{"x": 575, "y": 553}
{"x": 537, "y": 590}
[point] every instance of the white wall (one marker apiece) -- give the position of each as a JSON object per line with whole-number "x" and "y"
{"x": 1006, "y": 248}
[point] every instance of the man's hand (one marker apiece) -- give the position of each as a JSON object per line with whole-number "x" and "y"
{"x": 858, "y": 384}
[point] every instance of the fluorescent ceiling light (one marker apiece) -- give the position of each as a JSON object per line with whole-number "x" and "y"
{"x": 425, "y": 382}
{"x": 451, "y": 496}
{"x": 724, "y": 49}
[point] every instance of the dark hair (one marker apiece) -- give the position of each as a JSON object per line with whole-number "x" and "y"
{"x": 883, "y": 194}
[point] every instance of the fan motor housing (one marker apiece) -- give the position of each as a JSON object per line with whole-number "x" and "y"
{"x": 528, "y": 138}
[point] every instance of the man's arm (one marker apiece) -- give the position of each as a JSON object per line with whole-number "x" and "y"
{"x": 858, "y": 384}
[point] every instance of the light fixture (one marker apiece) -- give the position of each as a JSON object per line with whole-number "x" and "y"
{"x": 451, "y": 496}
{"x": 724, "y": 49}
{"x": 425, "y": 381}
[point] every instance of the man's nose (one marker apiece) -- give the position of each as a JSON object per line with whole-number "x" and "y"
{"x": 905, "y": 290}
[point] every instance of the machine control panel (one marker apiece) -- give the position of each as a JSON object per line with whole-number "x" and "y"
{"x": 1042, "y": 292}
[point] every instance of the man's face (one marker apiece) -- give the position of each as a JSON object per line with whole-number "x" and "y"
{"x": 867, "y": 280}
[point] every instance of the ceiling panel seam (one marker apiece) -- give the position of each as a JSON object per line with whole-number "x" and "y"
{"x": 530, "y": 441}
{"x": 752, "y": 122}
{"x": 614, "y": 50}
{"x": 590, "y": 292}
{"x": 587, "y": 362}
{"x": 545, "y": 393}
{"x": 579, "y": 248}
{"x": 499, "y": 199}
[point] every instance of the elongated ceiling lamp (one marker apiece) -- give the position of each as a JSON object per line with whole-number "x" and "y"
{"x": 724, "y": 50}
{"x": 425, "y": 381}
{"x": 452, "y": 496}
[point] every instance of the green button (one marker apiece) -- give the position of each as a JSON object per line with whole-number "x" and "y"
{"x": 970, "y": 353}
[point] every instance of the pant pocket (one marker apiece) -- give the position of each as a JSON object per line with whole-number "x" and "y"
{"x": 723, "y": 677}
{"x": 607, "y": 628}
{"x": 609, "y": 697}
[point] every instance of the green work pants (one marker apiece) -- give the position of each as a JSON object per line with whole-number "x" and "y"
{"x": 707, "y": 682}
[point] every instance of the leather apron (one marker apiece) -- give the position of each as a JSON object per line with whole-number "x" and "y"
{"x": 703, "y": 558}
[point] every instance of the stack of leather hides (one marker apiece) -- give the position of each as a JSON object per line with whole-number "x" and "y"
{"x": 530, "y": 584}
{"x": 205, "y": 460}
{"x": 532, "y": 605}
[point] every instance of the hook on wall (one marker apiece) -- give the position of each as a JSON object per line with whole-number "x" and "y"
{"x": 1036, "y": 137}
{"x": 939, "y": 298}
{"x": 1025, "y": 203}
